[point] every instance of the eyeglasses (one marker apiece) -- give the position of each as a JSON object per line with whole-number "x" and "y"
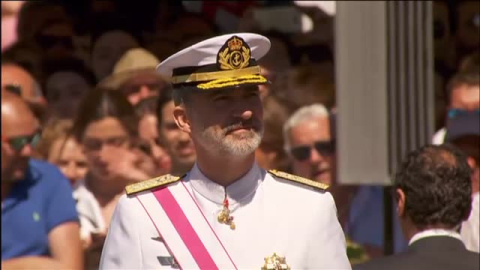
{"x": 303, "y": 152}
{"x": 19, "y": 142}
{"x": 96, "y": 144}
{"x": 452, "y": 113}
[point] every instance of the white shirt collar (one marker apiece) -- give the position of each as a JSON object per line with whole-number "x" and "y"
{"x": 434, "y": 232}
{"x": 236, "y": 191}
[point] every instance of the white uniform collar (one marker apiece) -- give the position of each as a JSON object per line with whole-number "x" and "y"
{"x": 236, "y": 191}
{"x": 434, "y": 232}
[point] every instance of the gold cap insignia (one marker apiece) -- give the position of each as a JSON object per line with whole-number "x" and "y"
{"x": 299, "y": 179}
{"x": 152, "y": 183}
{"x": 275, "y": 262}
{"x": 234, "y": 54}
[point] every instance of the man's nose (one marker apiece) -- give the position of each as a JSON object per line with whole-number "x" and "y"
{"x": 144, "y": 91}
{"x": 315, "y": 156}
{"x": 243, "y": 111}
{"x": 70, "y": 172}
{"x": 27, "y": 151}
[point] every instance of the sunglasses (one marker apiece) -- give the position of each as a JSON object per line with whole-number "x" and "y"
{"x": 303, "y": 152}
{"x": 14, "y": 88}
{"x": 452, "y": 113}
{"x": 19, "y": 142}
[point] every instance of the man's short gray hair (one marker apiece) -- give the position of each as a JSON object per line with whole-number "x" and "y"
{"x": 302, "y": 114}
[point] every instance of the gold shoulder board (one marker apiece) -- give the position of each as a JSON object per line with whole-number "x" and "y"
{"x": 151, "y": 183}
{"x": 299, "y": 179}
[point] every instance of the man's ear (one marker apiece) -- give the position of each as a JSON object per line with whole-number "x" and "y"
{"x": 471, "y": 162}
{"x": 400, "y": 197}
{"x": 181, "y": 118}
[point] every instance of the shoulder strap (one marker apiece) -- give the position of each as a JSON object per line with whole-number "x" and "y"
{"x": 152, "y": 183}
{"x": 185, "y": 231}
{"x": 299, "y": 179}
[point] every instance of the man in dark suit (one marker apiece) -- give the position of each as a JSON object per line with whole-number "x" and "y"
{"x": 433, "y": 192}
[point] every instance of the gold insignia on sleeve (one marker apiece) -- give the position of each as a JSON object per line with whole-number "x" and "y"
{"x": 299, "y": 179}
{"x": 234, "y": 54}
{"x": 275, "y": 262}
{"x": 152, "y": 183}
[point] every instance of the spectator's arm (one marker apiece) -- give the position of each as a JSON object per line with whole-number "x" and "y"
{"x": 65, "y": 245}
{"x": 32, "y": 263}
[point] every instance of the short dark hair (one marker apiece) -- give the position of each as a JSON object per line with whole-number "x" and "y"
{"x": 162, "y": 100}
{"x": 467, "y": 77}
{"x": 437, "y": 186}
{"x": 101, "y": 103}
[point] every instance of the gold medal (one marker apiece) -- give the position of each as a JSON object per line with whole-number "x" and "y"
{"x": 275, "y": 262}
{"x": 224, "y": 216}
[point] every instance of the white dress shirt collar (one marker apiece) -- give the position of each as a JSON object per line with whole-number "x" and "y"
{"x": 434, "y": 232}
{"x": 236, "y": 191}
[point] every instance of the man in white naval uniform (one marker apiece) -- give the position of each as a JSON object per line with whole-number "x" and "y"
{"x": 226, "y": 212}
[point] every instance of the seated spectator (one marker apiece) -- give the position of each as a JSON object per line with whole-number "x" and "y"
{"x": 148, "y": 131}
{"x": 463, "y": 94}
{"x": 270, "y": 153}
{"x": 19, "y": 81}
{"x": 308, "y": 129}
{"x": 39, "y": 222}
{"x": 134, "y": 75}
{"x": 107, "y": 128}
{"x": 66, "y": 82}
{"x": 58, "y": 147}
{"x": 26, "y": 54}
{"x": 463, "y": 131}
{"x": 35, "y": 15}
{"x": 432, "y": 188}
{"x": 178, "y": 144}
{"x": 309, "y": 138}
{"x": 305, "y": 85}
{"x": 108, "y": 46}
{"x": 276, "y": 61}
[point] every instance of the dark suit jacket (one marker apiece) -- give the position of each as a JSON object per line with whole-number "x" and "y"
{"x": 436, "y": 252}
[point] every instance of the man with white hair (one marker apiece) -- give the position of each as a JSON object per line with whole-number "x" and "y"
{"x": 226, "y": 212}
{"x": 308, "y": 141}
{"x": 309, "y": 138}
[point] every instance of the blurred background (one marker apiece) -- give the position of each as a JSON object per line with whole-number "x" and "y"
{"x": 87, "y": 71}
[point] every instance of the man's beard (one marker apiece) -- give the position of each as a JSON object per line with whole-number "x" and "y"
{"x": 232, "y": 144}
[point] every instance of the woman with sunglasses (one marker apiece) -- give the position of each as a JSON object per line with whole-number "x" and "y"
{"x": 107, "y": 127}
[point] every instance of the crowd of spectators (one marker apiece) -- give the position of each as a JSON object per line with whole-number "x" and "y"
{"x": 84, "y": 114}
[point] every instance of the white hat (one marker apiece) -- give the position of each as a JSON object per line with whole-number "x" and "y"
{"x": 133, "y": 62}
{"x": 219, "y": 62}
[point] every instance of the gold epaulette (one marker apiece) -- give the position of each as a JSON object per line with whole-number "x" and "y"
{"x": 299, "y": 179}
{"x": 152, "y": 183}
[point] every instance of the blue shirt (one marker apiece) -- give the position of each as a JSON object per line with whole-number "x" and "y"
{"x": 366, "y": 222}
{"x": 35, "y": 206}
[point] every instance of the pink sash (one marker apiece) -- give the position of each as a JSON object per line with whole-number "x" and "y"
{"x": 186, "y": 232}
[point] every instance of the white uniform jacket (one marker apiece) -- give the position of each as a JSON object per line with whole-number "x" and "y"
{"x": 271, "y": 214}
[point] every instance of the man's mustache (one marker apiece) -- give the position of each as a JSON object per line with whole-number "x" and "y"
{"x": 249, "y": 124}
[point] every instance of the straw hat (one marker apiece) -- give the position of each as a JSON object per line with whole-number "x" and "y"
{"x": 133, "y": 62}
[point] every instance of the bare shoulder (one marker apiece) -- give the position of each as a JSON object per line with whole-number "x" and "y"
{"x": 156, "y": 182}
